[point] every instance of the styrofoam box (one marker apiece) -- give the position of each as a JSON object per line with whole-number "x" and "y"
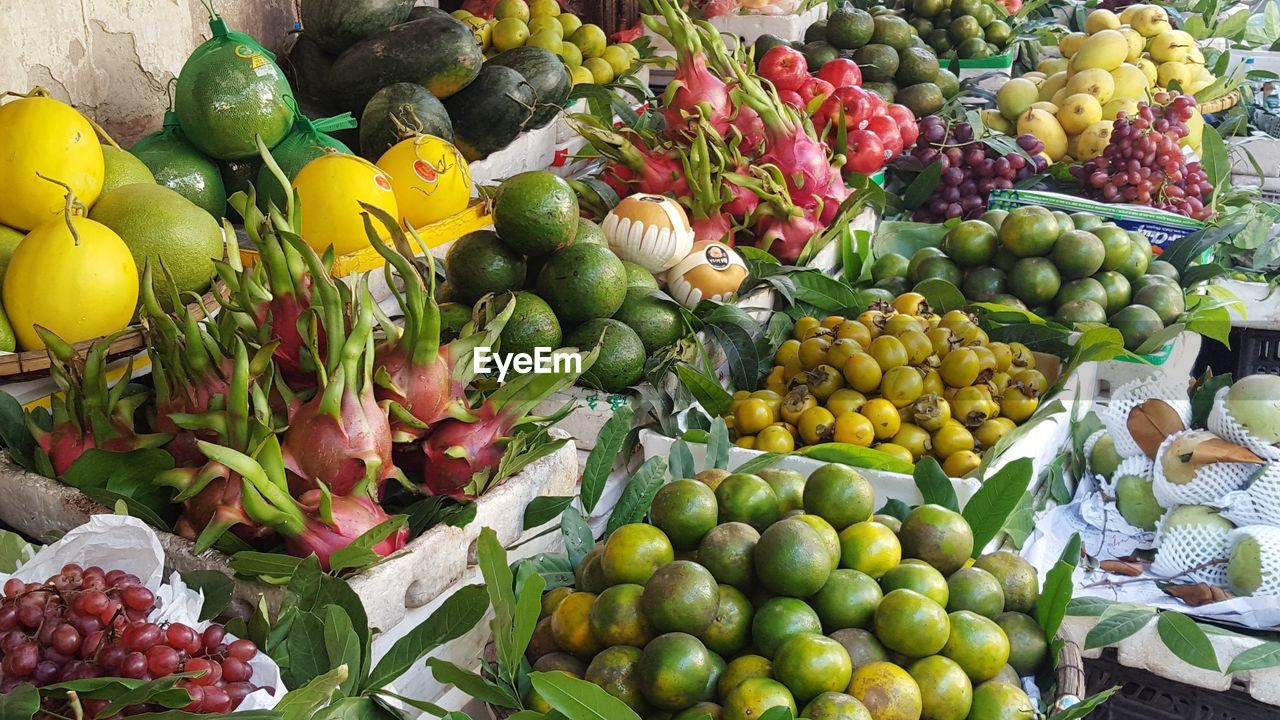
{"x": 531, "y": 150}
{"x": 1177, "y": 362}
{"x": 1041, "y": 444}
{"x": 1261, "y": 303}
{"x": 750, "y": 27}
{"x": 429, "y": 565}
{"x": 828, "y": 258}
{"x": 1265, "y": 150}
{"x": 1145, "y": 650}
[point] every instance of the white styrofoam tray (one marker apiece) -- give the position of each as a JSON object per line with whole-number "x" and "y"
{"x": 1179, "y": 363}
{"x": 432, "y": 562}
{"x": 1261, "y": 304}
{"x": 531, "y": 150}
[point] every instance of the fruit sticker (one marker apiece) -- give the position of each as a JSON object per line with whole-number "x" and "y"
{"x": 717, "y": 257}
{"x": 260, "y": 65}
{"x": 424, "y": 170}
{"x": 382, "y": 182}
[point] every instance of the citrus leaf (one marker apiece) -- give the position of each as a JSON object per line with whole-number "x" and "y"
{"x": 855, "y": 456}
{"x": 760, "y": 462}
{"x": 990, "y": 507}
{"x": 935, "y": 486}
{"x": 680, "y": 464}
{"x": 472, "y": 684}
{"x": 545, "y": 508}
{"x": 1088, "y": 606}
{"x": 636, "y": 498}
{"x": 302, "y": 703}
{"x": 1118, "y": 622}
{"x": 20, "y": 703}
{"x": 577, "y": 535}
{"x": 1187, "y": 640}
{"x": 601, "y": 458}
{"x": 1083, "y": 708}
{"x": 456, "y": 615}
{"x": 578, "y": 699}
{"x": 216, "y": 587}
{"x": 707, "y": 391}
{"x": 1058, "y": 587}
{"x": 941, "y": 294}
{"x": 718, "y": 444}
{"x": 1266, "y": 655}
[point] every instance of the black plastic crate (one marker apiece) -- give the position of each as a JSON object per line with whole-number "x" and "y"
{"x": 1259, "y": 352}
{"x": 1144, "y": 696}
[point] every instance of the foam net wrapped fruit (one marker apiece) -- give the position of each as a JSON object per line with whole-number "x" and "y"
{"x": 899, "y": 378}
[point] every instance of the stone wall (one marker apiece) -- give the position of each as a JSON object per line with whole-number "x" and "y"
{"x": 114, "y": 59}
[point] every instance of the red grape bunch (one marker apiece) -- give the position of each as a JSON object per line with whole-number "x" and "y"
{"x": 970, "y": 168}
{"x": 1144, "y": 163}
{"x": 88, "y": 622}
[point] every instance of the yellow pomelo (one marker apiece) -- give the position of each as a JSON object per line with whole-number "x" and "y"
{"x": 1137, "y": 43}
{"x": 430, "y": 178}
{"x": 1151, "y": 20}
{"x": 330, "y": 190}
{"x": 1052, "y": 85}
{"x": 80, "y": 285}
{"x": 1148, "y": 68}
{"x": 581, "y": 75}
{"x": 1171, "y": 46}
{"x": 42, "y": 136}
{"x": 1052, "y": 65}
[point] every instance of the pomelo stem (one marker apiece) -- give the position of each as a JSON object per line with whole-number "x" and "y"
{"x": 73, "y": 205}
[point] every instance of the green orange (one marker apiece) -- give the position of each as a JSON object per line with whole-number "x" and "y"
{"x": 869, "y": 548}
{"x": 862, "y": 646}
{"x": 887, "y": 691}
{"x": 919, "y": 576}
{"x": 749, "y": 499}
{"x": 937, "y": 535}
{"x": 977, "y": 644}
{"x": 633, "y": 552}
{"x": 682, "y": 596}
{"x": 616, "y": 670}
{"x": 743, "y": 667}
{"x": 552, "y": 598}
{"x": 791, "y": 559}
{"x": 616, "y": 617}
{"x": 945, "y": 690}
{"x": 977, "y": 590}
{"x": 727, "y": 551}
{"x": 830, "y": 538}
{"x": 835, "y": 706}
{"x": 912, "y": 624}
{"x": 686, "y": 511}
{"x": 1000, "y": 701}
{"x": 730, "y": 631}
{"x": 571, "y": 625}
{"x": 1027, "y": 645}
{"x": 839, "y": 495}
{"x": 777, "y": 619}
{"x": 674, "y": 670}
{"x": 753, "y": 698}
{"x": 810, "y": 664}
{"x": 788, "y": 485}
{"x": 848, "y": 600}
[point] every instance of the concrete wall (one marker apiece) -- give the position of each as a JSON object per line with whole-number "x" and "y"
{"x": 113, "y": 59}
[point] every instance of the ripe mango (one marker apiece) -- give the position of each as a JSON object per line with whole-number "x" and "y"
{"x": 1130, "y": 82}
{"x": 1105, "y": 49}
{"x": 1117, "y": 105}
{"x": 1101, "y": 19}
{"x": 1137, "y": 43}
{"x": 1052, "y": 84}
{"x": 994, "y": 120}
{"x": 1126, "y": 14}
{"x": 1077, "y": 112}
{"x": 1045, "y": 106}
{"x": 1052, "y": 65}
{"x": 1195, "y": 130}
{"x": 1045, "y": 126}
{"x": 1148, "y": 68}
{"x": 1059, "y": 97}
{"x": 1201, "y": 81}
{"x": 1095, "y": 81}
{"x": 1151, "y": 20}
{"x": 1015, "y": 96}
{"x": 1171, "y": 46}
{"x": 1170, "y": 72}
{"x": 1093, "y": 140}
{"x": 1070, "y": 43}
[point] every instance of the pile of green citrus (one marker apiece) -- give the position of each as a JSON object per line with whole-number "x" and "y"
{"x": 746, "y": 592}
{"x": 570, "y": 289}
{"x": 1074, "y": 268}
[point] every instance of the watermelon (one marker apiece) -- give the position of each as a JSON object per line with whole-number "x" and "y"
{"x": 336, "y": 25}
{"x": 437, "y": 52}
{"x": 229, "y": 92}
{"x": 307, "y": 67}
{"x": 490, "y": 112}
{"x": 548, "y": 76}
{"x": 399, "y": 111}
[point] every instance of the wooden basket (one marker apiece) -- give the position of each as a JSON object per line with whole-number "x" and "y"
{"x": 34, "y": 364}
{"x": 1217, "y": 105}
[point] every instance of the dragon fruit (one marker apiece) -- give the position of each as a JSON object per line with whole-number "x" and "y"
{"x": 695, "y": 92}
{"x": 418, "y": 382}
{"x": 463, "y": 459}
{"x": 88, "y": 414}
{"x": 317, "y": 523}
{"x": 635, "y": 161}
{"x": 707, "y": 194}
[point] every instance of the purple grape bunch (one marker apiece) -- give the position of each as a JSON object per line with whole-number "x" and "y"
{"x": 971, "y": 169}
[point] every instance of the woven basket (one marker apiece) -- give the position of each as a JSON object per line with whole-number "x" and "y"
{"x": 34, "y": 364}
{"x": 1217, "y": 105}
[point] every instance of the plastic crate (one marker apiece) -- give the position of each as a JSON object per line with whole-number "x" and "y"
{"x": 1259, "y": 352}
{"x": 1145, "y": 696}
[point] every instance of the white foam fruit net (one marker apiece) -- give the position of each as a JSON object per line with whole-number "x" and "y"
{"x": 1089, "y": 442}
{"x": 1222, "y": 424}
{"x": 1134, "y": 393}
{"x": 1258, "y": 503}
{"x": 1269, "y": 539}
{"x": 1191, "y": 546}
{"x": 1210, "y": 482}
{"x": 1139, "y": 465}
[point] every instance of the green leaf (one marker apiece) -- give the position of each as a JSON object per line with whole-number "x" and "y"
{"x": 499, "y": 583}
{"x": 302, "y": 703}
{"x": 1117, "y": 623}
{"x": 528, "y": 609}
{"x": 935, "y": 487}
{"x": 472, "y": 684}
{"x": 895, "y": 508}
{"x": 705, "y": 389}
{"x": 14, "y": 434}
{"x": 1022, "y": 521}
{"x": 1088, "y": 606}
{"x": 308, "y": 657}
{"x": 779, "y": 712}
{"x": 20, "y": 703}
{"x": 545, "y": 508}
{"x": 342, "y": 645}
{"x": 718, "y": 444}
{"x": 1057, "y": 590}
{"x": 554, "y": 569}
{"x": 353, "y": 708}
{"x": 601, "y": 459}
{"x": 359, "y": 554}
{"x": 423, "y": 705}
{"x": 636, "y": 498}
{"x": 922, "y": 186}
{"x": 990, "y": 507}
{"x": 578, "y": 538}
{"x": 1259, "y": 657}
{"x": 941, "y": 294}
{"x": 680, "y": 464}
{"x": 163, "y": 692}
{"x": 1214, "y": 160}
{"x": 760, "y": 462}
{"x": 458, "y": 614}
{"x": 578, "y": 699}
{"x": 252, "y": 563}
{"x": 1187, "y": 640}
{"x": 822, "y": 291}
{"x": 1082, "y": 709}
{"x": 14, "y": 551}
{"x": 855, "y": 456}
{"x": 216, "y": 587}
